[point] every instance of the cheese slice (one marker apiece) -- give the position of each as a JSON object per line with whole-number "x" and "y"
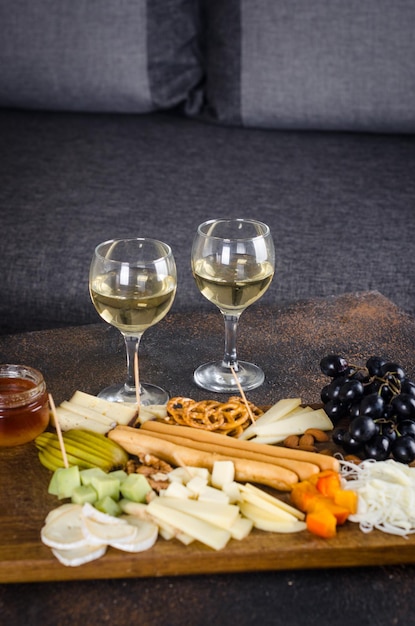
{"x": 265, "y": 521}
{"x": 151, "y": 412}
{"x": 221, "y": 515}
{"x": 279, "y": 410}
{"x": 275, "y": 501}
{"x": 241, "y": 528}
{"x": 69, "y": 419}
{"x": 268, "y": 508}
{"x": 301, "y": 410}
{"x": 206, "y": 533}
{"x": 295, "y": 425}
{"x": 90, "y": 413}
{"x": 116, "y": 411}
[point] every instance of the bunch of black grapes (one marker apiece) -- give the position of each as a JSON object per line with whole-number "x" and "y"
{"x": 376, "y": 402}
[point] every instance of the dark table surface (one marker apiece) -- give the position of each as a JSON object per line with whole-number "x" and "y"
{"x": 288, "y": 341}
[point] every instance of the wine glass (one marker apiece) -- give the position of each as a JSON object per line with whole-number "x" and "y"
{"x": 132, "y": 283}
{"x": 233, "y": 264}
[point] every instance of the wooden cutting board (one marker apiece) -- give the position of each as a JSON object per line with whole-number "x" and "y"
{"x": 289, "y": 345}
{"x": 23, "y": 558}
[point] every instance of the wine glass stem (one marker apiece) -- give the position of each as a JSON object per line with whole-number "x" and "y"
{"x": 132, "y": 343}
{"x": 231, "y": 324}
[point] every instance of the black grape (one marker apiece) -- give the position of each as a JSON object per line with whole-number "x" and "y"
{"x": 390, "y": 371}
{"x": 378, "y": 448}
{"x": 403, "y": 449}
{"x": 350, "y": 444}
{"x": 407, "y": 427}
{"x": 335, "y": 410}
{"x": 351, "y": 390}
{"x": 403, "y": 405}
{"x": 333, "y": 365}
{"x": 407, "y": 386}
{"x": 363, "y": 428}
{"x": 373, "y": 364}
{"x": 373, "y": 407}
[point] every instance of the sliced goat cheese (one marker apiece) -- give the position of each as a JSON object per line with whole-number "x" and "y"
{"x": 98, "y": 533}
{"x": 79, "y": 556}
{"x": 64, "y": 532}
{"x": 144, "y": 538}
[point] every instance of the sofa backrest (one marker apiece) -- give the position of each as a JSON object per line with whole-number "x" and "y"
{"x": 126, "y": 56}
{"x": 304, "y": 64}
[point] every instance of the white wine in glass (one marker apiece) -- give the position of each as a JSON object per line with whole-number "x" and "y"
{"x": 233, "y": 263}
{"x": 132, "y": 283}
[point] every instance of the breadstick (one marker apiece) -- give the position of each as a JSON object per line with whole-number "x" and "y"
{"x": 323, "y": 461}
{"x": 303, "y": 469}
{"x": 135, "y": 441}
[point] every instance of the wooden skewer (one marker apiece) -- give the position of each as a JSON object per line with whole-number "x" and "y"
{"x": 58, "y": 431}
{"x": 180, "y": 463}
{"x": 241, "y": 391}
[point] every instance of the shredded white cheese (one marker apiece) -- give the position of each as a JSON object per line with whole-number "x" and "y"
{"x": 386, "y": 495}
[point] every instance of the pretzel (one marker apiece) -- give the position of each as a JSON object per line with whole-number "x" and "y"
{"x": 228, "y": 418}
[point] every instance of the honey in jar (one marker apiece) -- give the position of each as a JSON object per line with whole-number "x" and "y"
{"x": 24, "y": 408}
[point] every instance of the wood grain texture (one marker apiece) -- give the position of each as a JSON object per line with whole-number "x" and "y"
{"x": 287, "y": 341}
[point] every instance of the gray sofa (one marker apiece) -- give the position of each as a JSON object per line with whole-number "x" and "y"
{"x": 146, "y": 118}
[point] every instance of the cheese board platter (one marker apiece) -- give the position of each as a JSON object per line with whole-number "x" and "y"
{"x": 87, "y": 357}
{"x": 24, "y": 558}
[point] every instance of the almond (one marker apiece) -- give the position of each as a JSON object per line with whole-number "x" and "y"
{"x": 306, "y": 440}
{"x": 326, "y": 451}
{"x": 352, "y": 458}
{"x": 319, "y": 435}
{"x": 308, "y": 448}
{"x": 291, "y": 441}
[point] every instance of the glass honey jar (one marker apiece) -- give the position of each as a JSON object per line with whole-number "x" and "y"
{"x": 24, "y": 407}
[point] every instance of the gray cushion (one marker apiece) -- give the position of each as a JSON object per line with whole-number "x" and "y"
{"x": 98, "y": 55}
{"x": 325, "y": 64}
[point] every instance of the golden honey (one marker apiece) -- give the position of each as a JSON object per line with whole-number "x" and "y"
{"x": 24, "y": 408}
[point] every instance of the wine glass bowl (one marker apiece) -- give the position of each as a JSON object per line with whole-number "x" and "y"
{"x": 233, "y": 263}
{"x": 132, "y": 284}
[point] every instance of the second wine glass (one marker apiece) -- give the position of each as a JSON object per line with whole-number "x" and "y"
{"x": 132, "y": 284}
{"x": 233, "y": 264}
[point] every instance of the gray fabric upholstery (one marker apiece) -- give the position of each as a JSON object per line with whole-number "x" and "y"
{"x": 326, "y": 64}
{"x": 98, "y": 55}
{"x": 340, "y": 205}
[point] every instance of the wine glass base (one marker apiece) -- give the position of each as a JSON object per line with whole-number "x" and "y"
{"x": 216, "y": 376}
{"x": 149, "y": 394}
